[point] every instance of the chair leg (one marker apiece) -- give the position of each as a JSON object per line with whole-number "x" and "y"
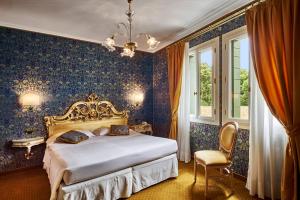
{"x": 231, "y": 180}
{"x": 206, "y": 182}
{"x": 195, "y": 170}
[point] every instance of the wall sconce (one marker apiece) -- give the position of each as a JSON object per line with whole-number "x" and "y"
{"x": 137, "y": 98}
{"x": 30, "y": 100}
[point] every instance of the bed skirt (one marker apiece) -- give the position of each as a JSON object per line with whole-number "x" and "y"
{"x": 154, "y": 172}
{"x": 123, "y": 183}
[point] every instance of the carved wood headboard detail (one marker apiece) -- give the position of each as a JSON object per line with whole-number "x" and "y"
{"x": 92, "y": 110}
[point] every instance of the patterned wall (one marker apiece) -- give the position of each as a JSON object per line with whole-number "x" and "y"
{"x": 161, "y": 99}
{"x": 203, "y": 136}
{"x": 62, "y": 71}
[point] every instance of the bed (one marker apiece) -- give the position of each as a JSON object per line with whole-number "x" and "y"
{"x": 104, "y": 167}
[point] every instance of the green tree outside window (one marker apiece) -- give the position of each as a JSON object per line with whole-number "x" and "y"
{"x": 206, "y": 85}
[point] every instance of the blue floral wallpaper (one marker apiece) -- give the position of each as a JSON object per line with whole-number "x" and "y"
{"x": 62, "y": 71}
{"x": 161, "y": 100}
{"x": 203, "y": 136}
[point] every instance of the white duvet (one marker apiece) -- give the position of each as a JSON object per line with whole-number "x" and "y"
{"x": 101, "y": 155}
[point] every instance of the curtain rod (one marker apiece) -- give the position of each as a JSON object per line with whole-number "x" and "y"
{"x": 218, "y": 22}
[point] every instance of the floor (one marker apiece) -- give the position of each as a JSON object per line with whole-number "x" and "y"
{"x": 32, "y": 184}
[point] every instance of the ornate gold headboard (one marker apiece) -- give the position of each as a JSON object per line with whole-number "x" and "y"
{"x": 86, "y": 115}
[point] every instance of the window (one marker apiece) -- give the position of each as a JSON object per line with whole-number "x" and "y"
{"x": 236, "y": 65}
{"x": 203, "y": 62}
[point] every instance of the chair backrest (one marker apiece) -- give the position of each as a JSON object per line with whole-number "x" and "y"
{"x": 227, "y": 138}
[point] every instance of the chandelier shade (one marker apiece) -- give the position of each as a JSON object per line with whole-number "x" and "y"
{"x": 152, "y": 42}
{"x": 109, "y": 43}
{"x": 129, "y": 46}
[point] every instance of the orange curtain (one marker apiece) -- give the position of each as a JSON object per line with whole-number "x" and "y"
{"x": 274, "y": 32}
{"x": 175, "y": 55}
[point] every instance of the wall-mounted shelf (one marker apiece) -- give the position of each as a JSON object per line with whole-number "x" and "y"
{"x": 28, "y": 143}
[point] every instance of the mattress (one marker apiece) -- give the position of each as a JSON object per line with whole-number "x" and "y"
{"x": 101, "y": 155}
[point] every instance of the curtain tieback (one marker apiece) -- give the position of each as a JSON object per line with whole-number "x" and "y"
{"x": 292, "y": 132}
{"x": 174, "y": 116}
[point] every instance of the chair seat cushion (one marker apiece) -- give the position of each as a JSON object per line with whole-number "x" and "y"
{"x": 211, "y": 157}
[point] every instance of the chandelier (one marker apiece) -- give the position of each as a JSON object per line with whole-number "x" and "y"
{"x": 130, "y": 46}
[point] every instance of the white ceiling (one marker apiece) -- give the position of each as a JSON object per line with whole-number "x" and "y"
{"x": 94, "y": 20}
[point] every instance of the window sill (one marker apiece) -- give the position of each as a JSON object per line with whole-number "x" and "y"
{"x": 242, "y": 124}
{"x": 202, "y": 121}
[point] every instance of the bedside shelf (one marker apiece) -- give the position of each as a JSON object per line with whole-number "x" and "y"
{"x": 143, "y": 128}
{"x": 28, "y": 143}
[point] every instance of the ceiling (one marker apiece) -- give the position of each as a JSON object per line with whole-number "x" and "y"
{"x": 95, "y": 20}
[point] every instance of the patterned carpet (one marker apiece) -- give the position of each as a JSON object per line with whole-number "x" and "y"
{"x": 32, "y": 184}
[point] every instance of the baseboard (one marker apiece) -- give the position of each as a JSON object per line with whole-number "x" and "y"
{"x": 240, "y": 177}
{"x": 20, "y": 169}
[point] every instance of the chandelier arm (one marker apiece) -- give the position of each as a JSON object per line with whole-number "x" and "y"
{"x": 142, "y": 34}
{"x": 122, "y": 24}
{"x": 115, "y": 35}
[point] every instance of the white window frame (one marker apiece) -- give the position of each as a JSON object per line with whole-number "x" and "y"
{"x": 226, "y": 75}
{"x": 214, "y": 120}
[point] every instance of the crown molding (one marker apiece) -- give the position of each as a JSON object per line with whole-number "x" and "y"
{"x": 197, "y": 23}
{"x": 53, "y": 33}
{"x": 47, "y": 32}
{"x": 203, "y": 21}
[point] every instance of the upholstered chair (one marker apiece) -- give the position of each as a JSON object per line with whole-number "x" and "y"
{"x": 219, "y": 159}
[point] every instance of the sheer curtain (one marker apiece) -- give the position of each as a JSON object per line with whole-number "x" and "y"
{"x": 183, "y": 139}
{"x": 267, "y": 146}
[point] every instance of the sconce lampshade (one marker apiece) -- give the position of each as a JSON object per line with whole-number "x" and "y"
{"x": 137, "y": 98}
{"x": 30, "y": 100}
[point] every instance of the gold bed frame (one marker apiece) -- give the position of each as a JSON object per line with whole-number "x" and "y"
{"x": 86, "y": 115}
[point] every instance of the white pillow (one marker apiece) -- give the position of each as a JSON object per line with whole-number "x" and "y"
{"x": 101, "y": 131}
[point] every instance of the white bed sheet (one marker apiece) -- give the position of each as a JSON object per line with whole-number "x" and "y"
{"x": 101, "y": 155}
